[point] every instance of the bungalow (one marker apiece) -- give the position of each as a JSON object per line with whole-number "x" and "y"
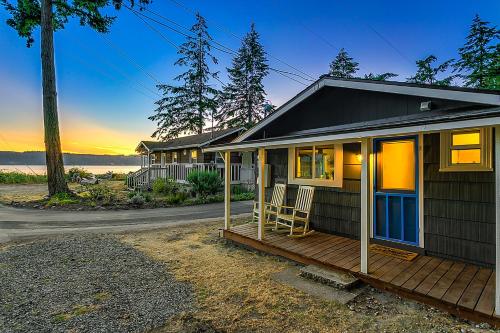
{"x": 405, "y": 167}
{"x": 177, "y": 157}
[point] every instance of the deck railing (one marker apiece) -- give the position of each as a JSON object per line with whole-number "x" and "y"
{"x": 180, "y": 171}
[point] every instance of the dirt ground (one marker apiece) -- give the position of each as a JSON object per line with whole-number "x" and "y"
{"x": 235, "y": 292}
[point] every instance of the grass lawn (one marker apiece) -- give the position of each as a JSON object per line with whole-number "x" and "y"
{"x": 236, "y": 293}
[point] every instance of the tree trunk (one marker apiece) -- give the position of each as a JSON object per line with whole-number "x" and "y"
{"x": 53, "y": 154}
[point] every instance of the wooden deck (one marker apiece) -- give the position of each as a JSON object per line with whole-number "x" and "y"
{"x": 461, "y": 289}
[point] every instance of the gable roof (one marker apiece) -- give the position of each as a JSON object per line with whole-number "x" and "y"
{"x": 190, "y": 141}
{"x": 479, "y": 96}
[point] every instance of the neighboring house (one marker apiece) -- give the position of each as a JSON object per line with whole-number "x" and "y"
{"x": 177, "y": 157}
{"x": 408, "y": 166}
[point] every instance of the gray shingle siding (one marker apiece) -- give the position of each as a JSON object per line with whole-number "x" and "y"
{"x": 459, "y": 210}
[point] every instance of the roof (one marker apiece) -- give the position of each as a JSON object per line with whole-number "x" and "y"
{"x": 479, "y": 96}
{"x": 190, "y": 141}
{"x": 441, "y": 120}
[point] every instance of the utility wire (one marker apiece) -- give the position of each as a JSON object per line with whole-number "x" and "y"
{"x": 222, "y": 47}
{"x": 129, "y": 59}
{"x": 229, "y": 32}
{"x": 388, "y": 42}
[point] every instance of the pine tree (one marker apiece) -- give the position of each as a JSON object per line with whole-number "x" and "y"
{"x": 52, "y": 15}
{"x": 479, "y": 56}
{"x": 380, "y": 77}
{"x": 186, "y": 107}
{"x": 426, "y": 74}
{"x": 343, "y": 66}
{"x": 492, "y": 80}
{"x": 243, "y": 100}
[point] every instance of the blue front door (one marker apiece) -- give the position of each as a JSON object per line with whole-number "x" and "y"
{"x": 396, "y": 189}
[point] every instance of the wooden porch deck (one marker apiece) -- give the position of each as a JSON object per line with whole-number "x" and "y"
{"x": 461, "y": 289}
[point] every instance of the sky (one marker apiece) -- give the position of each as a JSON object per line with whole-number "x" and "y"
{"x": 107, "y": 83}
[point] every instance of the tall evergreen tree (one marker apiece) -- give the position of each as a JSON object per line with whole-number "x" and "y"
{"x": 426, "y": 74}
{"x": 186, "y": 107}
{"x": 243, "y": 101}
{"x": 493, "y": 77}
{"x": 380, "y": 77}
{"x": 343, "y": 66}
{"x": 479, "y": 56}
{"x": 52, "y": 15}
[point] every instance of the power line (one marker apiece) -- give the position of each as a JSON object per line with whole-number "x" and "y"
{"x": 229, "y": 32}
{"x": 155, "y": 30}
{"x": 222, "y": 47}
{"x": 129, "y": 59}
{"x": 388, "y": 42}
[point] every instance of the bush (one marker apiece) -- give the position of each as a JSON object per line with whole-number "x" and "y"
{"x": 13, "y": 177}
{"x": 176, "y": 199}
{"x": 204, "y": 183}
{"x": 101, "y": 193}
{"x": 137, "y": 200}
{"x": 61, "y": 199}
{"x": 243, "y": 196}
{"x": 165, "y": 186}
{"x": 75, "y": 173}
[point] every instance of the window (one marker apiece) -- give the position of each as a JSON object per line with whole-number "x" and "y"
{"x": 174, "y": 157}
{"x": 194, "y": 156}
{"x": 396, "y": 165}
{"x": 467, "y": 150}
{"x": 319, "y": 165}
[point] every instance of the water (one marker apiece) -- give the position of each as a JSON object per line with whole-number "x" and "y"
{"x": 95, "y": 169}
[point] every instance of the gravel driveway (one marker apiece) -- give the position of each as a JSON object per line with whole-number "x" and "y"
{"x": 85, "y": 283}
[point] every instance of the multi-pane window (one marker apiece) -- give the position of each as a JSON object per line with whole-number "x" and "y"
{"x": 466, "y": 150}
{"x": 316, "y": 165}
{"x": 174, "y": 157}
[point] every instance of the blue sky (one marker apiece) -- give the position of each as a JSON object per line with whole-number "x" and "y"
{"x": 105, "y": 99}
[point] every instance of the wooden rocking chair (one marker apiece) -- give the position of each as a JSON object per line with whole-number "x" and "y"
{"x": 300, "y": 213}
{"x": 271, "y": 208}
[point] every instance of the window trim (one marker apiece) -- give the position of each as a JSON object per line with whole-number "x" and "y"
{"x": 485, "y": 145}
{"x": 175, "y": 157}
{"x": 338, "y": 168}
{"x": 193, "y": 160}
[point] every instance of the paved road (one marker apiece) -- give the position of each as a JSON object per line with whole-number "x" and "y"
{"x": 16, "y": 223}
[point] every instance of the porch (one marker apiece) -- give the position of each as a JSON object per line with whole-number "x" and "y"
{"x": 462, "y": 289}
{"x": 240, "y": 175}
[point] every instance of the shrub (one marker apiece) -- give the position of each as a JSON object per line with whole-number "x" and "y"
{"x": 243, "y": 196}
{"x": 137, "y": 200}
{"x": 176, "y": 199}
{"x": 61, "y": 199}
{"x": 204, "y": 183}
{"x": 101, "y": 193}
{"x": 74, "y": 173}
{"x": 165, "y": 186}
{"x": 14, "y": 177}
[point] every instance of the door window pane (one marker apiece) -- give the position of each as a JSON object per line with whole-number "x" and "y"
{"x": 324, "y": 161}
{"x": 303, "y": 166}
{"x": 410, "y": 219}
{"x": 380, "y": 218}
{"x": 465, "y": 156}
{"x": 397, "y": 165}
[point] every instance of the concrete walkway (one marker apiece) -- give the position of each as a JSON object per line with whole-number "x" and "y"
{"x": 17, "y": 223}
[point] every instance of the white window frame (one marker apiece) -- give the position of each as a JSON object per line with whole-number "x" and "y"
{"x": 337, "y": 180}
{"x": 485, "y": 145}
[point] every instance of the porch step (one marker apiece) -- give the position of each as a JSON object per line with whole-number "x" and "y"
{"x": 332, "y": 278}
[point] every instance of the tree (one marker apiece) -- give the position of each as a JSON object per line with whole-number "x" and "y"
{"x": 479, "y": 56}
{"x": 50, "y": 16}
{"x": 243, "y": 100}
{"x": 185, "y": 108}
{"x": 343, "y": 66}
{"x": 426, "y": 74}
{"x": 380, "y": 77}
{"x": 492, "y": 80}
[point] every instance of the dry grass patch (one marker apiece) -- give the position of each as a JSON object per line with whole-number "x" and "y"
{"x": 235, "y": 292}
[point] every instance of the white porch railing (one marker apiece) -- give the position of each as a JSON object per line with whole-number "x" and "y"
{"x": 179, "y": 172}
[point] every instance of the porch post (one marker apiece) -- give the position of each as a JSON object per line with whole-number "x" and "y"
{"x": 227, "y": 190}
{"x": 497, "y": 229}
{"x": 365, "y": 202}
{"x": 262, "y": 211}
